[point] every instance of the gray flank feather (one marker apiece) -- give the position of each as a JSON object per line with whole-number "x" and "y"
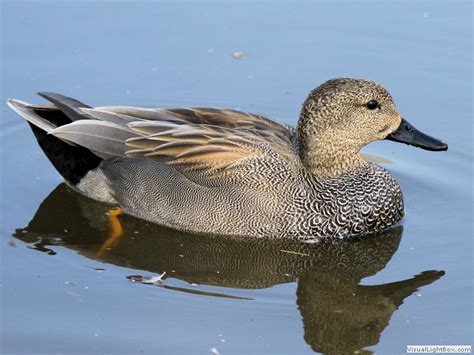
{"x": 116, "y": 118}
{"x": 143, "y": 113}
{"x": 105, "y": 138}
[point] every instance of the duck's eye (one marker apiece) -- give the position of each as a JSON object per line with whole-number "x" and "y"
{"x": 372, "y": 104}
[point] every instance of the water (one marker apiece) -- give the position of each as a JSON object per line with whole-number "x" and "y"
{"x": 62, "y": 293}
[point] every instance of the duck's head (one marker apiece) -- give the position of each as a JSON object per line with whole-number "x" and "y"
{"x": 342, "y": 115}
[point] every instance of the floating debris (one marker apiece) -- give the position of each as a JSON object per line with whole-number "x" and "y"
{"x": 135, "y": 278}
{"x": 311, "y": 240}
{"x": 239, "y": 55}
{"x": 74, "y": 294}
{"x": 98, "y": 269}
{"x": 293, "y": 252}
{"x": 214, "y": 351}
{"x": 153, "y": 280}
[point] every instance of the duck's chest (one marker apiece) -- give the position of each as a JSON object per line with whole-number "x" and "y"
{"x": 362, "y": 201}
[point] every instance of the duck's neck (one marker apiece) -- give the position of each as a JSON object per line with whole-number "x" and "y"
{"x": 325, "y": 158}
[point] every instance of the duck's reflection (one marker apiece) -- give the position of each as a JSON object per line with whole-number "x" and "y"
{"x": 339, "y": 315}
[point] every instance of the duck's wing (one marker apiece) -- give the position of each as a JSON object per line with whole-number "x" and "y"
{"x": 204, "y": 147}
{"x": 254, "y": 124}
{"x": 203, "y": 143}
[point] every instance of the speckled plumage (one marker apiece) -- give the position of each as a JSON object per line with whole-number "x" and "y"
{"x": 227, "y": 172}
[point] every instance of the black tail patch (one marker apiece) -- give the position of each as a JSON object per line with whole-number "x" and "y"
{"x": 71, "y": 161}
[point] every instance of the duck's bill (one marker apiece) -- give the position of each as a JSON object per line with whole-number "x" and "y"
{"x": 408, "y": 134}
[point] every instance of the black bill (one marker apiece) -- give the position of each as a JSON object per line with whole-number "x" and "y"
{"x": 408, "y": 134}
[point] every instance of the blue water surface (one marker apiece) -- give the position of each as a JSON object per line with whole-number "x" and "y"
{"x": 59, "y": 296}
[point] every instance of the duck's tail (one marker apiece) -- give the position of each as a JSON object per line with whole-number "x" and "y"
{"x": 70, "y": 160}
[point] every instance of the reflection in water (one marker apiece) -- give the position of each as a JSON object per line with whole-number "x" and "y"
{"x": 339, "y": 315}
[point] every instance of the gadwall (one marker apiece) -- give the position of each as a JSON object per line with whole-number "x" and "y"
{"x": 226, "y": 172}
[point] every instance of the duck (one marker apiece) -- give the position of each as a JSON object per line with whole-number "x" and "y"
{"x": 231, "y": 173}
